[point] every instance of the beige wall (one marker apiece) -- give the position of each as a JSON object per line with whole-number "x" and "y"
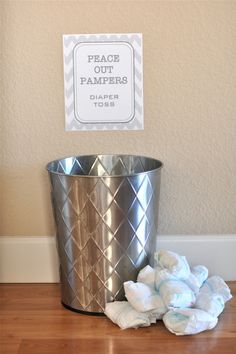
{"x": 190, "y": 107}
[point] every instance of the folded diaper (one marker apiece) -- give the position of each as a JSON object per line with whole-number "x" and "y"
{"x": 143, "y": 298}
{"x": 114, "y": 309}
{"x": 123, "y": 314}
{"x": 216, "y": 284}
{"x": 177, "y": 265}
{"x": 147, "y": 276}
{"x": 174, "y": 292}
{"x": 211, "y": 303}
{"x": 188, "y": 321}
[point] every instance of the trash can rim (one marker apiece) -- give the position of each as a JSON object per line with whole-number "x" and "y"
{"x": 160, "y": 165}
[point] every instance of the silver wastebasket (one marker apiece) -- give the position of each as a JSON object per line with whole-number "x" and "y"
{"x": 105, "y": 209}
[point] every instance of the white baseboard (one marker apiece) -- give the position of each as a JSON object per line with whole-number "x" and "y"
{"x": 28, "y": 259}
{"x": 34, "y": 259}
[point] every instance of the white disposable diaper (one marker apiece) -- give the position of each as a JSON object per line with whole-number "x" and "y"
{"x": 143, "y": 298}
{"x": 176, "y": 264}
{"x": 174, "y": 292}
{"x": 200, "y": 272}
{"x": 147, "y": 276}
{"x": 211, "y": 303}
{"x": 188, "y": 321}
{"x": 193, "y": 283}
{"x": 123, "y": 314}
{"x": 216, "y": 284}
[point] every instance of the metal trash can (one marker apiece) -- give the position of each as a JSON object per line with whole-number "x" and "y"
{"x": 105, "y": 209}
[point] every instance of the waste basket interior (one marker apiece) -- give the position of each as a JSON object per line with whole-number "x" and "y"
{"x": 103, "y": 165}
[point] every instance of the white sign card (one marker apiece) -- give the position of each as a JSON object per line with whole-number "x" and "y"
{"x": 103, "y": 80}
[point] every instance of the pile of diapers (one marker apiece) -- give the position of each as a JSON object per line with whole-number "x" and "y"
{"x": 185, "y": 298}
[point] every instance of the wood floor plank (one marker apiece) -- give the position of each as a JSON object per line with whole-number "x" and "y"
{"x": 33, "y": 321}
{"x": 9, "y": 345}
{"x": 182, "y": 345}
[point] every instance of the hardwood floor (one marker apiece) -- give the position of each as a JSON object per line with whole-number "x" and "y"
{"x": 32, "y": 321}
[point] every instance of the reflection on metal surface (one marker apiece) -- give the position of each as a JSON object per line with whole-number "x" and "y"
{"x": 105, "y": 208}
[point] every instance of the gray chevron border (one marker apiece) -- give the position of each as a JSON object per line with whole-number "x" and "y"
{"x": 69, "y": 42}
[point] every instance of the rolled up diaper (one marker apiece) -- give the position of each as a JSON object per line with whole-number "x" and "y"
{"x": 193, "y": 283}
{"x": 174, "y": 292}
{"x": 123, "y": 314}
{"x": 176, "y": 264}
{"x": 201, "y": 273}
{"x": 216, "y": 284}
{"x": 211, "y": 303}
{"x": 147, "y": 276}
{"x": 143, "y": 298}
{"x": 188, "y": 321}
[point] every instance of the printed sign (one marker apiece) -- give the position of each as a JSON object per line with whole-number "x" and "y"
{"x": 103, "y": 81}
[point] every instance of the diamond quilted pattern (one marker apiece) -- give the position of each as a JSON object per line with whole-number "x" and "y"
{"x": 93, "y": 283}
{"x": 98, "y": 169}
{"x": 124, "y": 234}
{"x": 126, "y": 269}
{"x": 113, "y": 217}
{"x": 63, "y": 232}
{"x": 107, "y": 236}
{"x": 119, "y": 168}
{"x": 136, "y": 213}
{"x": 78, "y": 289}
{"x": 66, "y": 265}
{"x": 79, "y": 234}
{"x": 142, "y": 260}
{"x": 103, "y": 269}
{"x": 106, "y": 222}
{"x": 82, "y": 267}
{"x": 136, "y": 182}
{"x": 77, "y": 168}
{"x": 67, "y": 292}
{"x": 113, "y": 283}
{"x": 134, "y": 250}
{"x": 72, "y": 250}
{"x": 77, "y": 196}
{"x": 92, "y": 252}
{"x": 89, "y": 217}
{"x": 145, "y": 192}
{"x": 103, "y": 296}
{"x": 94, "y": 306}
{"x": 61, "y": 197}
{"x": 113, "y": 186}
{"x": 65, "y": 185}
{"x": 143, "y": 231}
{"x": 114, "y": 252}
{"x": 125, "y": 196}
{"x": 100, "y": 203}
{"x": 69, "y": 211}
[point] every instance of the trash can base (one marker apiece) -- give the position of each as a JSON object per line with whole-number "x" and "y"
{"x": 83, "y": 312}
